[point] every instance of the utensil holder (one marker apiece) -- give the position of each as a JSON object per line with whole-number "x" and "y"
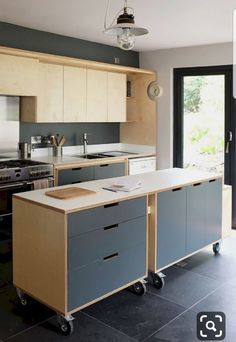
{"x": 57, "y": 151}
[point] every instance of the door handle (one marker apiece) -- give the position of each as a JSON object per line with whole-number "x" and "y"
{"x": 228, "y": 142}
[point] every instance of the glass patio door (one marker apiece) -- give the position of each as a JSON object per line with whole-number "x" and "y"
{"x": 204, "y": 124}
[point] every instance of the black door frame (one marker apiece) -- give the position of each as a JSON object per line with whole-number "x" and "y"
{"x": 230, "y": 120}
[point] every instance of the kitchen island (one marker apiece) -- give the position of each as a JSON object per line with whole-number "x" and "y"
{"x": 71, "y": 253}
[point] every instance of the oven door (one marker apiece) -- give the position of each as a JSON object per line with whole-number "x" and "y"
{"x": 6, "y": 192}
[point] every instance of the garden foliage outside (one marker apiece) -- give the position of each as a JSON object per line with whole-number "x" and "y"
{"x": 204, "y": 123}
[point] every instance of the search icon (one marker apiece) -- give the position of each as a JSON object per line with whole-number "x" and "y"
{"x": 210, "y": 325}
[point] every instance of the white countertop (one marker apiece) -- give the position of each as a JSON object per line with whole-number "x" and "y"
{"x": 71, "y": 154}
{"x": 72, "y": 160}
{"x": 157, "y": 181}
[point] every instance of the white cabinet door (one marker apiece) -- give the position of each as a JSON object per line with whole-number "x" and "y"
{"x": 96, "y": 96}
{"x": 74, "y": 94}
{"x": 50, "y": 99}
{"x": 116, "y": 97}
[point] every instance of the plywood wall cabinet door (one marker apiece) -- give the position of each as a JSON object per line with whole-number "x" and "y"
{"x": 96, "y": 96}
{"x": 50, "y": 98}
{"x": 18, "y": 75}
{"x": 116, "y": 91}
{"x": 74, "y": 94}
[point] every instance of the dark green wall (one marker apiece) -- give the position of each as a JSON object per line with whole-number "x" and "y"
{"x": 104, "y": 133}
{"x": 34, "y": 40}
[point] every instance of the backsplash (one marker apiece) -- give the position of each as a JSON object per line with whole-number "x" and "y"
{"x": 98, "y": 133}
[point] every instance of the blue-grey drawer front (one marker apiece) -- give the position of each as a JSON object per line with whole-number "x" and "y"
{"x": 171, "y": 226}
{"x": 91, "y": 219}
{"x": 109, "y": 170}
{"x": 75, "y": 175}
{"x": 95, "y": 280}
{"x": 89, "y": 247}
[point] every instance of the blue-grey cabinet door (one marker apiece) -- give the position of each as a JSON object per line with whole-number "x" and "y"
{"x": 171, "y": 226}
{"x": 196, "y": 217}
{"x": 213, "y": 211}
{"x": 75, "y": 175}
{"x": 109, "y": 170}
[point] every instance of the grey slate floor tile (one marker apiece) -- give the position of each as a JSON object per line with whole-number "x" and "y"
{"x": 184, "y": 287}
{"x": 15, "y": 318}
{"x": 182, "y": 329}
{"x": 223, "y": 299}
{"x": 220, "y": 267}
{"x": 86, "y": 329}
{"x": 137, "y": 317}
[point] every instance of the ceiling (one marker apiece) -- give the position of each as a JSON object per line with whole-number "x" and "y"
{"x": 171, "y": 23}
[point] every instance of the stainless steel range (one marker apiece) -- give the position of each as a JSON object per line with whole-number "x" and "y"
{"x": 23, "y": 169}
{"x": 17, "y": 176}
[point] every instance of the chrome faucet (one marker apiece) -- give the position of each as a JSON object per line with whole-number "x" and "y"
{"x": 85, "y": 142}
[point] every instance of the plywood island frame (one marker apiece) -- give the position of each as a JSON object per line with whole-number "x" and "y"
{"x": 45, "y": 229}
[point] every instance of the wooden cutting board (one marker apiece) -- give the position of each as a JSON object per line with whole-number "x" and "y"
{"x": 69, "y": 193}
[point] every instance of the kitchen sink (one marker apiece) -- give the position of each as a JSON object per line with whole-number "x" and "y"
{"x": 92, "y": 156}
{"x": 109, "y": 154}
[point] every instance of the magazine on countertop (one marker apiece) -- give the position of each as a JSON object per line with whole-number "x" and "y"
{"x": 124, "y": 185}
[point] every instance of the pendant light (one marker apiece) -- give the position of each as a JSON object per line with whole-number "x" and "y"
{"x": 125, "y": 28}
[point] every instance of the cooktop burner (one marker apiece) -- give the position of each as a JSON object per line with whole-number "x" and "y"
{"x": 18, "y": 163}
{"x": 23, "y": 169}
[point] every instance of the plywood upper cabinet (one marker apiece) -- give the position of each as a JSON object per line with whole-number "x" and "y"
{"x": 96, "y": 96}
{"x": 75, "y": 80}
{"x": 116, "y": 102}
{"x": 18, "y": 75}
{"x": 50, "y": 96}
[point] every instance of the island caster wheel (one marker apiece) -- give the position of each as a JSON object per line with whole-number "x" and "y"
{"x": 67, "y": 328}
{"x": 21, "y": 297}
{"x": 158, "y": 281}
{"x": 216, "y": 247}
{"x": 66, "y": 325}
{"x": 139, "y": 288}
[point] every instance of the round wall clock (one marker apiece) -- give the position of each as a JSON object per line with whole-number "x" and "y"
{"x": 154, "y": 90}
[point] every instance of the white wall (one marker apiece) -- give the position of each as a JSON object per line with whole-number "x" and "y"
{"x": 163, "y": 62}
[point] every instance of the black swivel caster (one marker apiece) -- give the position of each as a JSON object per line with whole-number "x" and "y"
{"x": 67, "y": 328}
{"x": 21, "y": 297}
{"x": 139, "y": 288}
{"x": 66, "y": 325}
{"x": 216, "y": 247}
{"x": 158, "y": 280}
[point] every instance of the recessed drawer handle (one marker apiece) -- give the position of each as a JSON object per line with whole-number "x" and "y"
{"x": 177, "y": 189}
{"x": 197, "y": 184}
{"x": 77, "y": 168}
{"x": 111, "y": 227}
{"x": 109, "y": 257}
{"x": 111, "y": 205}
{"x": 212, "y": 180}
{"x": 104, "y": 165}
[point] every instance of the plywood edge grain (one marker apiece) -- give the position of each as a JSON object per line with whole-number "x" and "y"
{"x": 152, "y": 232}
{"x": 46, "y": 206}
{"x": 70, "y": 61}
{"x": 39, "y": 253}
{"x": 102, "y": 161}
